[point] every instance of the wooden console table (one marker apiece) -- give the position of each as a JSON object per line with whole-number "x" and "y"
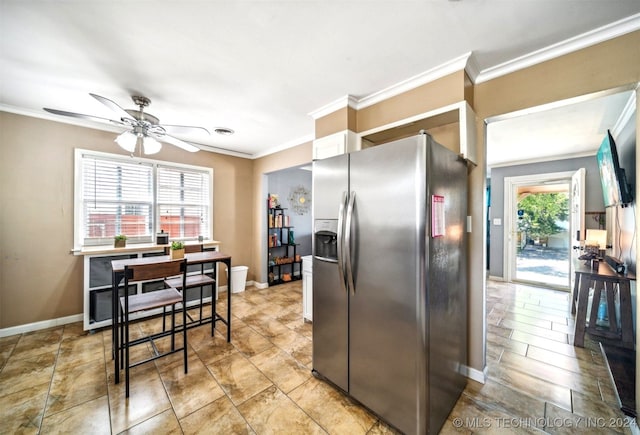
{"x": 604, "y": 278}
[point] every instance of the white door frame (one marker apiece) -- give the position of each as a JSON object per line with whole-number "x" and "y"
{"x": 510, "y": 202}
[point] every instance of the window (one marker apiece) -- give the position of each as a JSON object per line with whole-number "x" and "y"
{"x": 183, "y": 202}
{"x": 139, "y": 197}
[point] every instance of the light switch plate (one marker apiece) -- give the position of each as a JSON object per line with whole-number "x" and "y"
{"x": 497, "y": 221}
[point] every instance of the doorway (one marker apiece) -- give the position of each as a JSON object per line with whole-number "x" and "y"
{"x": 540, "y": 219}
{"x": 542, "y": 254}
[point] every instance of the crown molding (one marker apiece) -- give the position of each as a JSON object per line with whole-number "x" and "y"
{"x": 284, "y": 146}
{"x": 428, "y": 76}
{"x": 626, "y": 115}
{"x": 340, "y": 103}
{"x": 469, "y": 63}
{"x": 466, "y": 62}
{"x": 593, "y": 37}
{"x": 472, "y": 69}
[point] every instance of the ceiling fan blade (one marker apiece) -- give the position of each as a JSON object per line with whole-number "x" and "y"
{"x": 113, "y": 106}
{"x": 185, "y": 129}
{"x": 177, "y": 142}
{"x": 82, "y": 116}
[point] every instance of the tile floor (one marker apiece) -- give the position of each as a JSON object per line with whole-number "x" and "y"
{"x": 60, "y": 380}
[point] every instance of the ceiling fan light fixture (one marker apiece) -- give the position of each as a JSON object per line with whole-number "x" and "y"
{"x": 143, "y": 128}
{"x": 127, "y": 141}
{"x": 150, "y": 145}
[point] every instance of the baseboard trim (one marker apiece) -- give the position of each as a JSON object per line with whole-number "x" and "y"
{"x": 36, "y": 326}
{"x": 261, "y": 285}
{"x": 474, "y": 374}
{"x": 44, "y": 324}
{"x": 495, "y": 278}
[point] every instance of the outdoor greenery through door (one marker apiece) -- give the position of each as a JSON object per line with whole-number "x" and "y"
{"x": 543, "y": 235}
{"x": 543, "y": 218}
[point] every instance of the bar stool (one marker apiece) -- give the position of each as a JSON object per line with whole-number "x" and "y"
{"x": 168, "y": 297}
{"x": 194, "y": 280}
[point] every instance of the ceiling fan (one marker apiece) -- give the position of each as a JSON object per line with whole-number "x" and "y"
{"x": 145, "y": 130}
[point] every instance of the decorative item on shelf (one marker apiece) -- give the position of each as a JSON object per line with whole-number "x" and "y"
{"x": 283, "y": 260}
{"x": 120, "y": 241}
{"x": 281, "y": 221}
{"x": 177, "y": 250}
{"x": 273, "y": 201}
{"x": 598, "y": 238}
{"x": 273, "y": 240}
{"x": 300, "y": 199}
{"x": 591, "y": 249}
{"x": 292, "y": 240}
{"x": 286, "y": 277}
{"x": 162, "y": 238}
{"x": 298, "y": 258}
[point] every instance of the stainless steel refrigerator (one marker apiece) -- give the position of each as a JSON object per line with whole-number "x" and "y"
{"x": 389, "y": 279}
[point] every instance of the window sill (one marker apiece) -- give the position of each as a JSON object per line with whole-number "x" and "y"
{"x": 133, "y": 248}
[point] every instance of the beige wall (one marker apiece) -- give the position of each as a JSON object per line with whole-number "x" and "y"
{"x": 430, "y": 96}
{"x": 604, "y": 66}
{"x": 39, "y": 278}
{"x": 296, "y": 156}
{"x": 332, "y": 123}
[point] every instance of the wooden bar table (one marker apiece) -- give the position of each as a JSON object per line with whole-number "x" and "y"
{"x": 603, "y": 278}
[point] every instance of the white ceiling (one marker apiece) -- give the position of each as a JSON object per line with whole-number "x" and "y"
{"x": 261, "y": 67}
{"x": 568, "y": 129}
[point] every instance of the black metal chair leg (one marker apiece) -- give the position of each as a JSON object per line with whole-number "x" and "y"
{"x": 164, "y": 314}
{"x": 173, "y": 327}
{"x": 126, "y": 352}
{"x": 184, "y": 329}
{"x": 214, "y": 300}
{"x": 122, "y": 342}
{"x": 201, "y": 293}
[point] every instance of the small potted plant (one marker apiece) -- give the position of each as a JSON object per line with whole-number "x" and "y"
{"x": 177, "y": 249}
{"x": 120, "y": 241}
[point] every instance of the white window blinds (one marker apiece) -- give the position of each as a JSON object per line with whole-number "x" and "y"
{"x": 117, "y": 198}
{"x": 138, "y": 197}
{"x": 184, "y": 203}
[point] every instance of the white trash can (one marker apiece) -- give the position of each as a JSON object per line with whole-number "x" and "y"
{"x": 238, "y": 278}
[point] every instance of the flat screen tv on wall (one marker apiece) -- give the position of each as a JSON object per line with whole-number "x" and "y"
{"x": 614, "y": 182}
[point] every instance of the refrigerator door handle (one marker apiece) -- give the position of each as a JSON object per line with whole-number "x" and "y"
{"x": 347, "y": 241}
{"x": 341, "y": 241}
